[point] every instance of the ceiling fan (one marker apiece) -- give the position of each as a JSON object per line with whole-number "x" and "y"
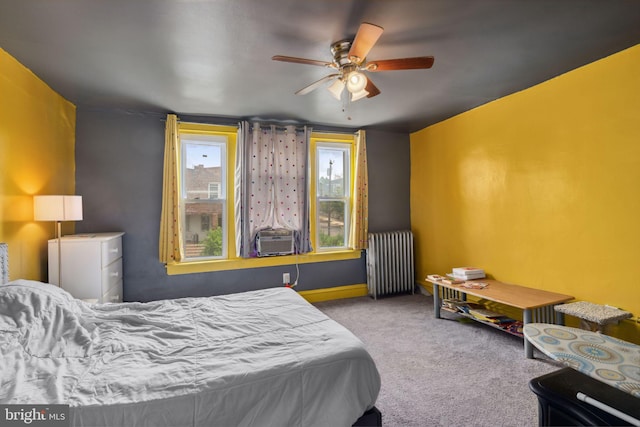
{"x": 350, "y": 61}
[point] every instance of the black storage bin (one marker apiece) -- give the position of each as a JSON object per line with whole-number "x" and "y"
{"x": 559, "y": 406}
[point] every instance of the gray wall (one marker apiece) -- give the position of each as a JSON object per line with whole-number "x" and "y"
{"x": 119, "y": 157}
{"x": 389, "y": 179}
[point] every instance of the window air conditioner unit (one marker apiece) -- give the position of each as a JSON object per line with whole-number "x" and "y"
{"x": 274, "y": 242}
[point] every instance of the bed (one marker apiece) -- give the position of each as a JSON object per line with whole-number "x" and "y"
{"x": 265, "y": 358}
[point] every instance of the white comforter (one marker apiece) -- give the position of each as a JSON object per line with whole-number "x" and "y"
{"x": 256, "y": 358}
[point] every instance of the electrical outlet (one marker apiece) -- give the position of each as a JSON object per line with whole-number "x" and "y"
{"x": 286, "y": 279}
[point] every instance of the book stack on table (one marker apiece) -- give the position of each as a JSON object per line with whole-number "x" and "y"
{"x": 468, "y": 273}
{"x": 480, "y": 312}
{"x": 490, "y": 316}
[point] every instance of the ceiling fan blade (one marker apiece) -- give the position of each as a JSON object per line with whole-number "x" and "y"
{"x": 316, "y": 84}
{"x": 419, "y": 62}
{"x": 366, "y": 37}
{"x": 372, "y": 89}
{"x": 302, "y": 61}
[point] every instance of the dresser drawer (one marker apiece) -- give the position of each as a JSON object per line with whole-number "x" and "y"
{"x": 111, "y": 275}
{"x": 111, "y": 251}
{"x": 114, "y": 294}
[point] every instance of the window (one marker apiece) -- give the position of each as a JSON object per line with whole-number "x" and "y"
{"x": 206, "y": 176}
{"x": 332, "y": 182}
{"x": 203, "y": 202}
{"x": 273, "y": 178}
{"x": 205, "y": 223}
{"x": 214, "y": 190}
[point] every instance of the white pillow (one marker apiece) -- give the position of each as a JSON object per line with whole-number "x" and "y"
{"x": 45, "y": 319}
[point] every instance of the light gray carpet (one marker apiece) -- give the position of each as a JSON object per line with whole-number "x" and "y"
{"x": 438, "y": 372}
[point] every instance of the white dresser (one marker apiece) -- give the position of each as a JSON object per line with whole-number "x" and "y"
{"x": 91, "y": 266}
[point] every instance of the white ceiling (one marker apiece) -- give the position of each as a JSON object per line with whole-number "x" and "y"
{"x": 213, "y": 57}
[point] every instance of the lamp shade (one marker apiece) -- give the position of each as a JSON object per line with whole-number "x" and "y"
{"x": 356, "y": 82}
{"x": 57, "y": 208}
{"x": 358, "y": 95}
{"x": 336, "y": 89}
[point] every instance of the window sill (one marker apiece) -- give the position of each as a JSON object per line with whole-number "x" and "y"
{"x": 189, "y": 267}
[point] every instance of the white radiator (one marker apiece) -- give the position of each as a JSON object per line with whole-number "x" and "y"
{"x": 390, "y": 268}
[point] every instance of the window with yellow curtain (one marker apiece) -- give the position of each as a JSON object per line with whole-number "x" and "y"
{"x": 339, "y": 191}
{"x": 196, "y": 222}
{"x": 202, "y": 192}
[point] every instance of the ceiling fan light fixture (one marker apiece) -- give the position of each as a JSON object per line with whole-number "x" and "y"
{"x": 356, "y": 82}
{"x": 336, "y": 88}
{"x": 350, "y": 62}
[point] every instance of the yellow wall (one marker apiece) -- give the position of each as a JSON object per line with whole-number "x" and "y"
{"x": 37, "y": 143}
{"x": 540, "y": 188}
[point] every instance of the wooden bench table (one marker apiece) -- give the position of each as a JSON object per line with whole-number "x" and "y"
{"x": 536, "y": 304}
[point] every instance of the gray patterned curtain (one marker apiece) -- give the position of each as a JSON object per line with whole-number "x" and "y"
{"x": 273, "y": 172}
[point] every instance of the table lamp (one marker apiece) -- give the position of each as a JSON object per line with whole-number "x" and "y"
{"x": 58, "y": 209}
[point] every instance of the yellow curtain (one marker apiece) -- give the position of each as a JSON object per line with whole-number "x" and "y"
{"x": 170, "y": 227}
{"x": 360, "y": 209}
